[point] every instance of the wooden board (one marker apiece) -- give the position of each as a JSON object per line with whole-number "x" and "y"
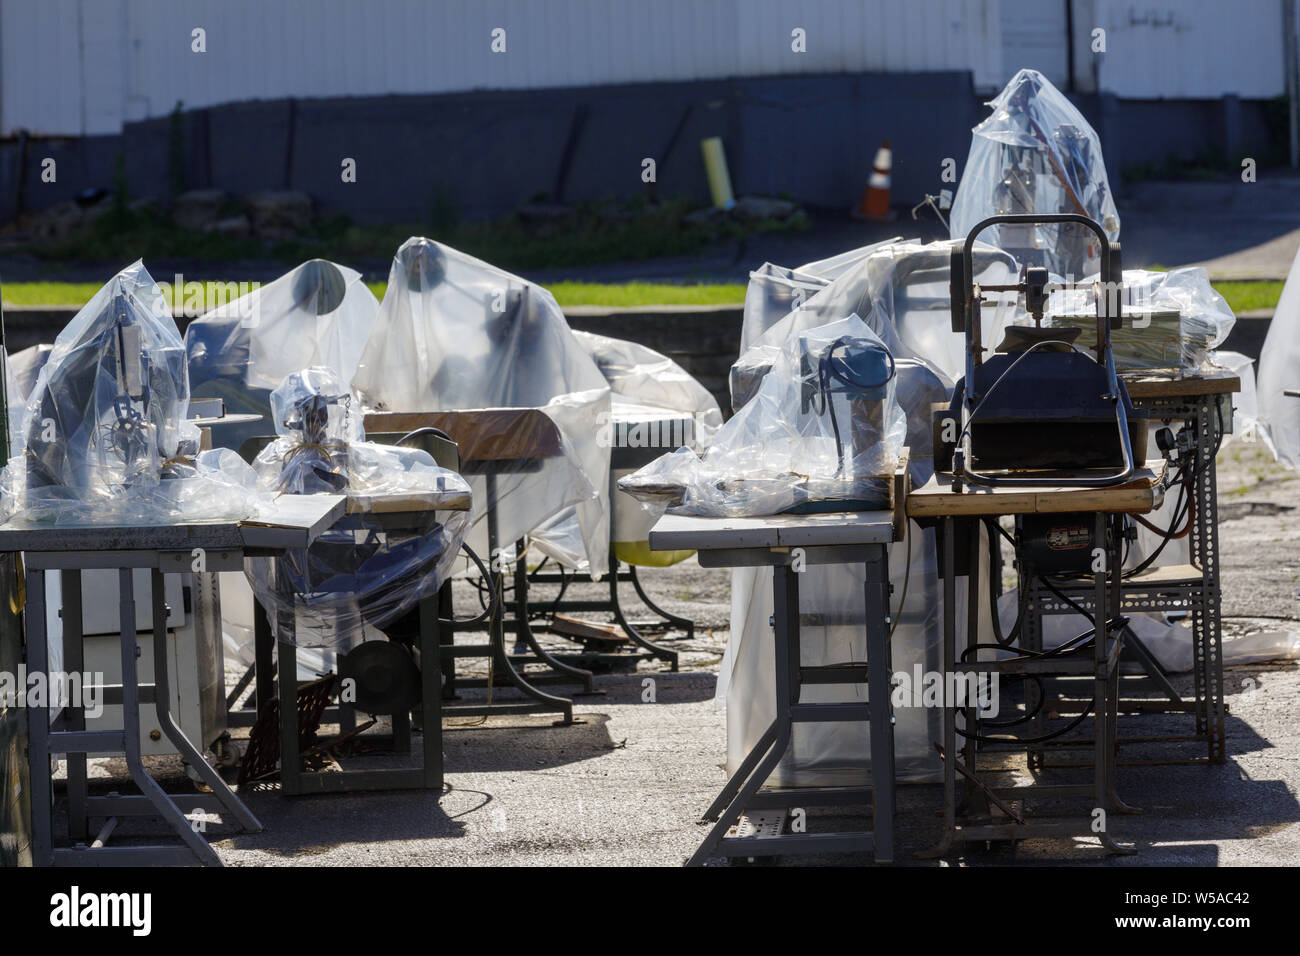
{"x": 295, "y": 522}
{"x": 482, "y": 434}
{"x": 936, "y": 498}
{"x": 1142, "y": 384}
{"x": 691, "y": 533}
{"x": 397, "y": 504}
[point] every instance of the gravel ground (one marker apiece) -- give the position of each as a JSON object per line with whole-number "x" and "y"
{"x": 626, "y": 783}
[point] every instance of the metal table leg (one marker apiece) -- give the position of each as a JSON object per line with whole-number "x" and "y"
{"x": 431, "y": 693}
{"x": 38, "y": 726}
{"x": 742, "y": 791}
{"x": 74, "y": 660}
{"x": 168, "y": 810}
{"x": 162, "y": 705}
{"x": 879, "y": 688}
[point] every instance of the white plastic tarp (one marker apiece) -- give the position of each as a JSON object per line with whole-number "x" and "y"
{"x": 653, "y": 398}
{"x": 318, "y": 314}
{"x": 105, "y": 438}
{"x": 1036, "y": 154}
{"x": 359, "y": 572}
{"x": 455, "y": 333}
{"x": 1279, "y": 372}
{"x": 824, "y": 425}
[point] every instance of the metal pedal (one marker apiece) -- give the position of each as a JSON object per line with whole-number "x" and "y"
{"x": 764, "y": 825}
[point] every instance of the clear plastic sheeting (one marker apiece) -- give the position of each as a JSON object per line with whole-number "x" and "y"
{"x": 15, "y": 398}
{"x": 640, "y": 376}
{"x": 776, "y": 291}
{"x": 655, "y": 404}
{"x": 823, "y": 429}
{"x": 319, "y": 314}
{"x": 1278, "y": 413}
{"x": 105, "y": 438}
{"x": 1172, "y": 320}
{"x": 902, "y": 290}
{"x": 1036, "y": 154}
{"x": 362, "y": 571}
{"x": 455, "y": 333}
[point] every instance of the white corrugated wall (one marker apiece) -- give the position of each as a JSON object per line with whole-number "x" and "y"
{"x": 1192, "y": 49}
{"x": 87, "y": 66}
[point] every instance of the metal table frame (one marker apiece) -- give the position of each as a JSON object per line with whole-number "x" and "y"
{"x": 822, "y": 539}
{"x": 1200, "y": 401}
{"x": 487, "y": 454}
{"x": 294, "y": 780}
{"x": 163, "y": 549}
{"x": 1101, "y": 669}
{"x": 66, "y": 734}
{"x": 622, "y": 456}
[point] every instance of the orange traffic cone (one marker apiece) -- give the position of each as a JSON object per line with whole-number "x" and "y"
{"x": 875, "y": 198}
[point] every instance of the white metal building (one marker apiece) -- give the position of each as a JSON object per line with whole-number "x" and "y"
{"x": 77, "y": 67}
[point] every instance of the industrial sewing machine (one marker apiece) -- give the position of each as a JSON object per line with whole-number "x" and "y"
{"x": 1040, "y": 409}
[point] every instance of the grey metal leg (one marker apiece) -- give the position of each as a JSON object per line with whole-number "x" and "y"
{"x": 616, "y": 607}
{"x": 947, "y": 566}
{"x": 742, "y": 774}
{"x": 969, "y": 715}
{"x": 131, "y": 728}
{"x": 786, "y": 605}
{"x": 38, "y": 726}
{"x": 74, "y": 659}
{"x": 287, "y": 679}
{"x": 263, "y": 656}
{"x": 879, "y": 684}
{"x": 524, "y": 633}
{"x": 162, "y": 705}
{"x": 431, "y": 692}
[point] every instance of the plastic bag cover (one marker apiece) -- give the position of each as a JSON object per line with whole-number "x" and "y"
{"x": 105, "y": 438}
{"x": 902, "y": 290}
{"x": 804, "y": 437}
{"x": 356, "y": 573}
{"x": 1172, "y": 320}
{"x": 1279, "y": 371}
{"x": 775, "y": 291}
{"x": 1036, "y": 153}
{"x": 455, "y": 333}
{"x": 649, "y": 387}
{"x": 319, "y": 314}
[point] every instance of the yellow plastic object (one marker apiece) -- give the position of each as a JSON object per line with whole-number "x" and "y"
{"x": 715, "y": 165}
{"x": 638, "y": 553}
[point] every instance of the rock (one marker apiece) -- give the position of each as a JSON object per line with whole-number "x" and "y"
{"x": 59, "y": 221}
{"x": 236, "y": 227}
{"x": 761, "y": 207}
{"x": 198, "y": 208}
{"x": 280, "y": 214}
{"x": 705, "y": 215}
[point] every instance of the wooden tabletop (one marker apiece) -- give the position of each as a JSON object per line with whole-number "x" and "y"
{"x": 362, "y": 503}
{"x": 1142, "y": 384}
{"x": 692, "y": 533}
{"x": 936, "y": 499}
{"x": 482, "y": 434}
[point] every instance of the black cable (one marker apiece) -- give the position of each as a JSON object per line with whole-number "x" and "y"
{"x": 1022, "y": 601}
{"x": 489, "y": 610}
